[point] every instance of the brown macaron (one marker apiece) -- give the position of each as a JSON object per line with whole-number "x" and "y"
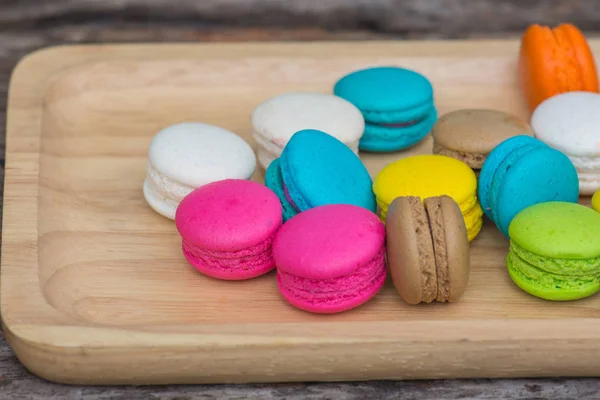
{"x": 427, "y": 249}
{"x": 469, "y": 135}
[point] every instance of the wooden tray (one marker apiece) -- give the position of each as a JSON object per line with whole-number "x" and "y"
{"x": 95, "y": 289}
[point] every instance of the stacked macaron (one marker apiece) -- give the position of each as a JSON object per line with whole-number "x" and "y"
{"x": 397, "y": 105}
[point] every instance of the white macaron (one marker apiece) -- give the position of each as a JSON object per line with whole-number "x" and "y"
{"x": 277, "y": 119}
{"x": 570, "y": 123}
{"x": 188, "y": 155}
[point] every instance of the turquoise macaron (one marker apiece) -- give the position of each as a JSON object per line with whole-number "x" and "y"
{"x": 274, "y": 181}
{"x": 316, "y": 169}
{"x": 520, "y": 172}
{"x": 397, "y": 104}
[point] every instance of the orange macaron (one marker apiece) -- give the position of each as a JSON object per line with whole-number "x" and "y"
{"x": 553, "y": 61}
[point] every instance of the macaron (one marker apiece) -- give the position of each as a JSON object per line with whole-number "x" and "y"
{"x": 330, "y": 258}
{"x": 596, "y": 201}
{"x": 430, "y": 176}
{"x": 275, "y": 121}
{"x": 554, "y": 251}
{"x": 520, "y": 172}
{"x": 427, "y": 249}
{"x": 397, "y": 105}
{"x": 555, "y": 60}
{"x": 227, "y": 228}
{"x": 274, "y": 181}
{"x": 569, "y": 123}
{"x": 317, "y": 169}
{"x": 186, "y": 156}
{"x": 469, "y": 135}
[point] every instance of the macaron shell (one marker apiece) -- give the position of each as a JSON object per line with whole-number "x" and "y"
{"x": 569, "y": 122}
{"x": 558, "y": 230}
{"x": 195, "y": 154}
{"x": 410, "y": 253}
{"x": 537, "y": 65}
{"x": 279, "y": 118}
{"x": 540, "y": 175}
{"x": 583, "y": 54}
{"x": 477, "y": 131}
{"x": 318, "y": 169}
{"x": 596, "y": 200}
{"x": 385, "y": 89}
{"x": 229, "y": 215}
{"x": 492, "y": 164}
{"x": 328, "y": 242}
{"x": 568, "y": 76}
{"x": 457, "y": 249}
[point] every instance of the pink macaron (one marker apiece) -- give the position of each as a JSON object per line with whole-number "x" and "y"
{"x": 330, "y": 258}
{"x": 227, "y": 228}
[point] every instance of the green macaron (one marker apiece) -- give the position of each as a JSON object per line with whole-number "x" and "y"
{"x": 555, "y": 251}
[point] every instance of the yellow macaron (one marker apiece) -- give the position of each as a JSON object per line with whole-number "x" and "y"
{"x": 429, "y": 176}
{"x": 596, "y": 200}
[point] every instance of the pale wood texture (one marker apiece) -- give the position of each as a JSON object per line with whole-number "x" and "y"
{"x": 94, "y": 288}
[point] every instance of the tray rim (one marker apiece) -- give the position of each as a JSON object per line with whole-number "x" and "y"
{"x": 35, "y": 343}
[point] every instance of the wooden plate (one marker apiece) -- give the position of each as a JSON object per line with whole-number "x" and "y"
{"x": 95, "y": 290}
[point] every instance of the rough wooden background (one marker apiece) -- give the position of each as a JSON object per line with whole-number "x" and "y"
{"x": 27, "y": 25}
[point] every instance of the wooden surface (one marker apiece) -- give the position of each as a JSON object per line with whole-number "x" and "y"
{"x": 94, "y": 288}
{"x": 440, "y": 18}
{"x": 26, "y": 26}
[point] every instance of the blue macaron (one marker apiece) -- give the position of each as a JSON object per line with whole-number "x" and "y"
{"x": 317, "y": 169}
{"x": 397, "y": 104}
{"x": 274, "y": 182}
{"x": 520, "y": 172}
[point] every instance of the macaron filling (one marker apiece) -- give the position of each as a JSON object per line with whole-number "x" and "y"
{"x": 165, "y": 187}
{"x": 411, "y": 115}
{"x": 363, "y": 282}
{"x": 248, "y": 262}
{"x": 288, "y": 198}
{"x": 274, "y": 182}
{"x": 473, "y": 160}
{"x": 559, "y": 266}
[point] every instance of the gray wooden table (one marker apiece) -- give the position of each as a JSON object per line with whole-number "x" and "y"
{"x": 27, "y": 25}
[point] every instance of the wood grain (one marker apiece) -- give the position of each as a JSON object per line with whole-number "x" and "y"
{"x": 441, "y": 18}
{"x": 95, "y": 290}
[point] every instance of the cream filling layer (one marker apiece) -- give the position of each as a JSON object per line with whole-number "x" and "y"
{"x": 166, "y": 189}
